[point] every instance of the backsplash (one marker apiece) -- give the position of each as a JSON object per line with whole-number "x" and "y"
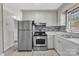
{"x": 52, "y": 28}
{"x": 56, "y": 28}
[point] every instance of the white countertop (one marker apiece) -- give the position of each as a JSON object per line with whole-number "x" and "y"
{"x": 74, "y": 40}
{"x": 54, "y": 33}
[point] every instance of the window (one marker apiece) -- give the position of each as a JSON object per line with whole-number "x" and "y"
{"x": 73, "y": 20}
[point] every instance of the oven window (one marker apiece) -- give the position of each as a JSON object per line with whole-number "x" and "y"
{"x": 40, "y": 41}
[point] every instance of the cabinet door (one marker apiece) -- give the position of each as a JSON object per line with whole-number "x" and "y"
{"x": 58, "y": 45}
{"x": 69, "y": 48}
{"x": 65, "y": 47}
{"x": 50, "y": 41}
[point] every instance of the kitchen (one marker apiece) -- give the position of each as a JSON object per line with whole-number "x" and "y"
{"x": 42, "y": 29}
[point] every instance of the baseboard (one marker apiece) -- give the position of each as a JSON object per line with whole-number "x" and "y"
{"x": 9, "y": 47}
{"x": 51, "y": 48}
{"x": 57, "y": 52}
{"x": 2, "y": 54}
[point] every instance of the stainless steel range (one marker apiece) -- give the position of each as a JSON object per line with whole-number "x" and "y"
{"x": 40, "y": 39}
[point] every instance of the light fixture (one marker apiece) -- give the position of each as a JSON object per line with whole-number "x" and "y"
{"x": 16, "y": 18}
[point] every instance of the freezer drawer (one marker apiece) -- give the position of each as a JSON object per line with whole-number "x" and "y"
{"x": 25, "y": 40}
{"x": 25, "y": 25}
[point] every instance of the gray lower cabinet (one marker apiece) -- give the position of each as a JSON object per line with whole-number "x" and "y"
{"x": 50, "y": 41}
{"x": 24, "y": 40}
{"x": 66, "y": 47}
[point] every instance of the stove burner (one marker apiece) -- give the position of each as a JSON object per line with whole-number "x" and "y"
{"x": 40, "y": 34}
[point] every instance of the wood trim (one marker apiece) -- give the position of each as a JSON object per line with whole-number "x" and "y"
{"x": 76, "y": 6}
{"x": 57, "y": 52}
{"x": 51, "y": 48}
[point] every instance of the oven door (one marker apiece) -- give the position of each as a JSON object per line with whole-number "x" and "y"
{"x": 40, "y": 42}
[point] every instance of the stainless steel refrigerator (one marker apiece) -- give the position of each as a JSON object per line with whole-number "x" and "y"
{"x": 25, "y": 35}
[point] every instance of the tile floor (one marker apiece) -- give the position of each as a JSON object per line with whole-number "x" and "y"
{"x": 14, "y": 52}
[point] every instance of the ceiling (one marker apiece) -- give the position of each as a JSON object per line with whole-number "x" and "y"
{"x": 33, "y": 6}
{"x": 17, "y": 7}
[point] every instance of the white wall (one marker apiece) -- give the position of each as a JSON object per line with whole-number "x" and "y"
{"x": 50, "y": 17}
{"x": 13, "y": 9}
{"x": 8, "y": 29}
{"x": 1, "y": 46}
